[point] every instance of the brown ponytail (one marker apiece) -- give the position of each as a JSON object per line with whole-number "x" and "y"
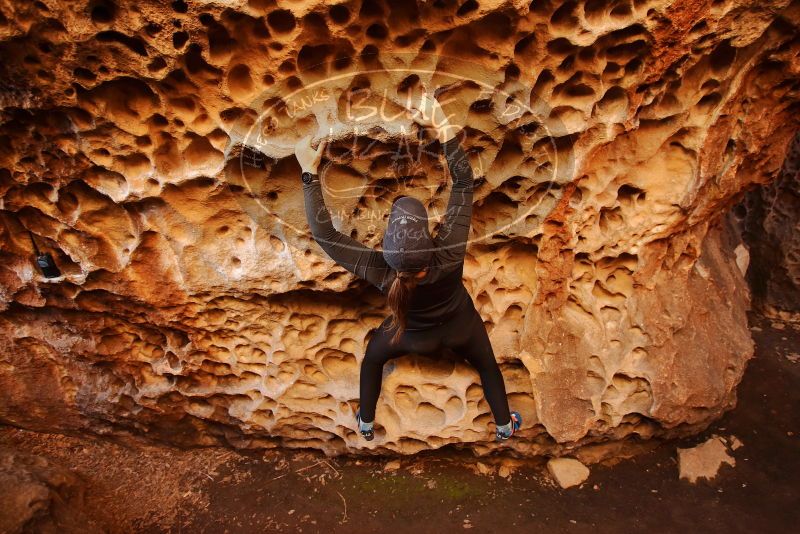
{"x": 398, "y": 298}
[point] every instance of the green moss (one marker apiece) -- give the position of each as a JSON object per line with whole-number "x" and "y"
{"x": 455, "y": 489}
{"x": 403, "y": 487}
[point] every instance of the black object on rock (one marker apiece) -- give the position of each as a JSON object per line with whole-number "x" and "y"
{"x": 45, "y": 262}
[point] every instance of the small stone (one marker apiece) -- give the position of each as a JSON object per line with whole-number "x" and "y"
{"x": 394, "y": 465}
{"x": 508, "y": 466}
{"x": 567, "y": 472}
{"x": 793, "y": 357}
{"x": 735, "y": 443}
{"x": 703, "y": 460}
{"x": 777, "y": 326}
{"x": 742, "y": 255}
{"x": 701, "y": 270}
{"x": 484, "y": 469}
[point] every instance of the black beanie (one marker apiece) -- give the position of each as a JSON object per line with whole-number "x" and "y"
{"x": 407, "y": 243}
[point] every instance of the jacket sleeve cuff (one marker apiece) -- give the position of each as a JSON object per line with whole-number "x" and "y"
{"x": 451, "y": 145}
{"x": 314, "y": 178}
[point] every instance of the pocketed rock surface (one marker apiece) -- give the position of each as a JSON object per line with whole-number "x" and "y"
{"x": 144, "y": 487}
{"x": 148, "y": 147}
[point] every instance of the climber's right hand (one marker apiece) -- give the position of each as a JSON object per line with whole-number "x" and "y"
{"x": 427, "y": 112}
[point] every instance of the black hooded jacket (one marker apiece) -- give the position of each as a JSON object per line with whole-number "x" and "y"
{"x": 441, "y": 294}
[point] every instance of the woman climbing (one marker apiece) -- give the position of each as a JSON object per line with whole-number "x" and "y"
{"x": 420, "y": 275}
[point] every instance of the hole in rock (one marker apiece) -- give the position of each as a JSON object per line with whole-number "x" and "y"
{"x": 564, "y": 17}
{"x": 313, "y": 58}
{"x": 467, "y": 7}
{"x": 179, "y": 6}
{"x": 377, "y": 31}
{"x": 133, "y": 43}
{"x": 281, "y": 20}
{"x": 371, "y": 8}
{"x": 102, "y": 12}
{"x": 339, "y": 14}
{"x": 179, "y": 39}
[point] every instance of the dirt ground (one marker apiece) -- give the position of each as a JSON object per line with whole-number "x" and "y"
{"x": 215, "y": 490}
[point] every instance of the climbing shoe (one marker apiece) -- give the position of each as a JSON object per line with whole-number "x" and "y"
{"x": 506, "y": 431}
{"x": 366, "y": 429}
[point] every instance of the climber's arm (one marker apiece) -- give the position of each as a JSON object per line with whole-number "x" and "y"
{"x": 360, "y": 260}
{"x": 451, "y": 239}
{"x": 454, "y": 232}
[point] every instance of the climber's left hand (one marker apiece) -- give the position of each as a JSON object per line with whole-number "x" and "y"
{"x": 307, "y": 156}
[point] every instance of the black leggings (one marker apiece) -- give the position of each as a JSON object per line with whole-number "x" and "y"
{"x": 465, "y": 334}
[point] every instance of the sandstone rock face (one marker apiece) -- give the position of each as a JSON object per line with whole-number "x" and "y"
{"x": 148, "y": 145}
{"x": 772, "y": 231}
